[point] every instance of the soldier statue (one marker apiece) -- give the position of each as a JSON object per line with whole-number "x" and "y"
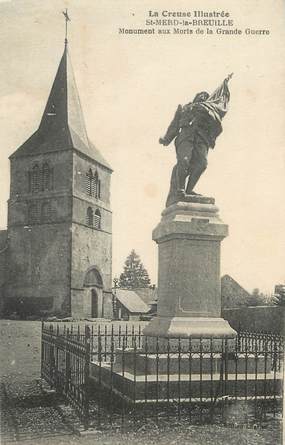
{"x": 195, "y": 128}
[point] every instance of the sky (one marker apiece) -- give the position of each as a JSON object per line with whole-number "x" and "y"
{"x": 130, "y": 87}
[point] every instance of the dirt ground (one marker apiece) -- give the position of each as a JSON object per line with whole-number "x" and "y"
{"x": 198, "y": 436}
{"x": 30, "y": 417}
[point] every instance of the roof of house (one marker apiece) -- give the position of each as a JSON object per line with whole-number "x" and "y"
{"x": 147, "y": 294}
{"x": 233, "y": 294}
{"x": 62, "y": 125}
{"x": 227, "y": 281}
{"x": 131, "y": 300}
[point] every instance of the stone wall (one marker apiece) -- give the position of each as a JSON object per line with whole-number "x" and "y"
{"x": 61, "y": 161}
{"x": 82, "y": 200}
{"x": 108, "y": 305}
{"x": 39, "y": 254}
{"x": 59, "y": 196}
{"x": 39, "y": 265}
{"x": 3, "y": 264}
{"x": 81, "y": 165}
{"x": 91, "y": 247}
{"x": 81, "y": 304}
{"x": 21, "y": 348}
{"x": 44, "y": 255}
{"x": 257, "y": 319}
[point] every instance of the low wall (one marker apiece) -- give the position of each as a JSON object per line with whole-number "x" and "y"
{"x": 257, "y": 318}
{"x": 20, "y": 350}
{"x": 20, "y": 346}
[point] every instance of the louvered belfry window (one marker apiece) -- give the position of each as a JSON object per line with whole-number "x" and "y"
{"x": 96, "y": 185}
{"x": 33, "y": 213}
{"x": 40, "y": 178}
{"x": 35, "y": 179}
{"x": 97, "y": 219}
{"x": 92, "y": 185}
{"x": 88, "y": 185}
{"x": 46, "y": 177}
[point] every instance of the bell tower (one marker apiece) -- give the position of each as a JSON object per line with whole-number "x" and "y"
{"x": 59, "y": 215}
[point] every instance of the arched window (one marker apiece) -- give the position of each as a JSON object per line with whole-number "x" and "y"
{"x": 35, "y": 179}
{"x": 97, "y": 219}
{"x": 46, "y": 177}
{"x": 89, "y": 180}
{"x": 33, "y": 213}
{"x": 92, "y": 184}
{"x": 89, "y": 219}
{"x": 93, "y": 278}
{"x": 99, "y": 188}
{"x": 46, "y": 212}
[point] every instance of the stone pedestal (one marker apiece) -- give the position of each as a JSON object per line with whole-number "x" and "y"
{"x": 189, "y": 236}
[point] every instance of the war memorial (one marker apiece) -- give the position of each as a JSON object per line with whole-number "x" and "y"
{"x": 189, "y": 352}
{"x": 186, "y": 363}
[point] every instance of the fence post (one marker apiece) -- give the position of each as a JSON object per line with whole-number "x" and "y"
{"x": 67, "y": 363}
{"x": 51, "y": 358}
{"x": 42, "y": 348}
{"x": 226, "y": 376}
{"x": 86, "y": 378}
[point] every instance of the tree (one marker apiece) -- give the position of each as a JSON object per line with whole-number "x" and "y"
{"x": 257, "y": 298}
{"x": 134, "y": 274}
{"x": 279, "y": 295}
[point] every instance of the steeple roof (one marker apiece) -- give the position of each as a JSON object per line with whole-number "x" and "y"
{"x": 62, "y": 125}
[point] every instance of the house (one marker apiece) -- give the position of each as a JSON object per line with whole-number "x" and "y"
{"x": 233, "y": 294}
{"x": 129, "y": 305}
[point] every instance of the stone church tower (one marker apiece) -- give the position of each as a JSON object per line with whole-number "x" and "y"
{"x": 59, "y": 218}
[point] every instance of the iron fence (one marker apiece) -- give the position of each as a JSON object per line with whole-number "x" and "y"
{"x": 65, "y": 359}
{"x": 114, "y": 375}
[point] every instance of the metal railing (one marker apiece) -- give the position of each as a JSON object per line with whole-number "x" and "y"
{"x": 65, "y": 360}
{"x": 114, "y": 375}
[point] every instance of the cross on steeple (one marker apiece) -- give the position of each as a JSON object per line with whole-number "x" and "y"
{"x": 67, "y": 19}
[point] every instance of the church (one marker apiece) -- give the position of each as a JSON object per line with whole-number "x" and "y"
{"x": 56, "y": 254}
